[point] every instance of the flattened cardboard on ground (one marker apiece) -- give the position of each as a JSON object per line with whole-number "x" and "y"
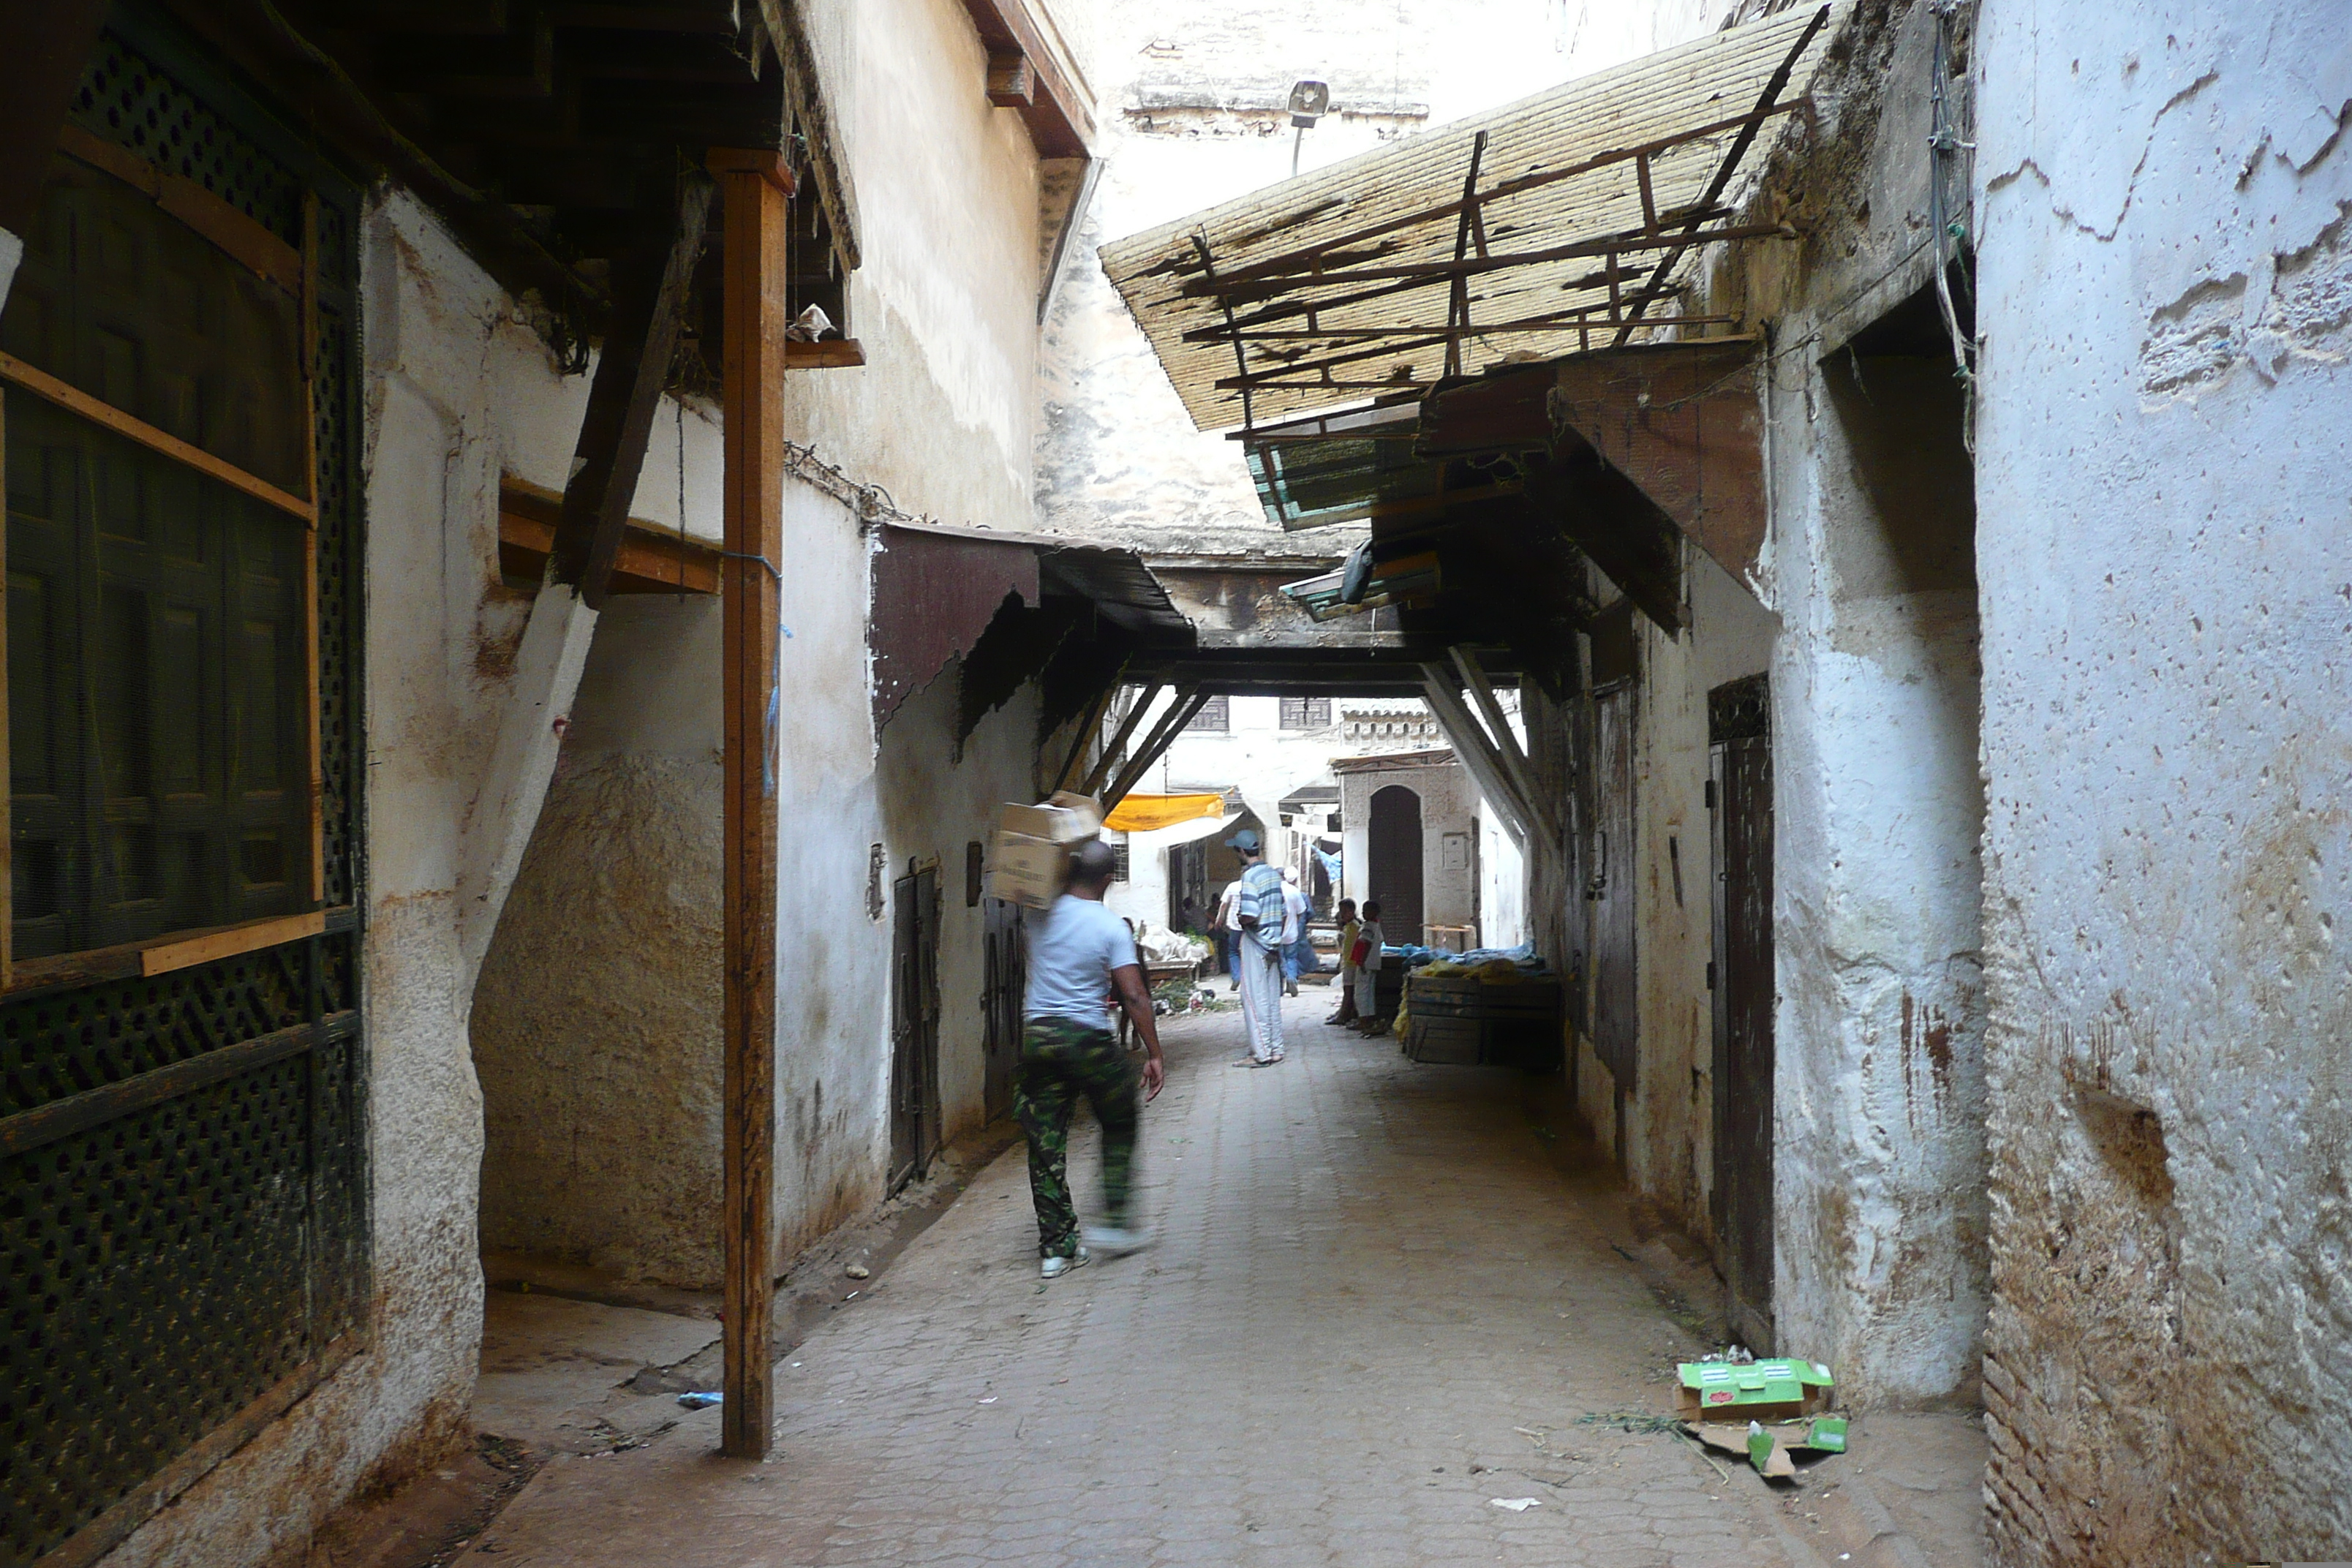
{"x": 1772, "y": 1460}
{"x": 1754, "y": 1445}
{"x": 1772, "y": 1450}
{"x": 1752, "y": 1391}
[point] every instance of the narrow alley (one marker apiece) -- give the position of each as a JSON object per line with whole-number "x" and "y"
{"x": 639, "y": 633}
{"x": 1383, "y": 1297}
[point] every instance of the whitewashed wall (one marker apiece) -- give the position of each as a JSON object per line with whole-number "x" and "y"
{"x": 2166, "y": 546}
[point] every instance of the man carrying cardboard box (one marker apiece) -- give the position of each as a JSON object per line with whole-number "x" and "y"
{"x": 1077, "y": 953}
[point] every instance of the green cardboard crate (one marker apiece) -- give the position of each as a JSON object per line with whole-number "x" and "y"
{"x": 1752, "y": 1391}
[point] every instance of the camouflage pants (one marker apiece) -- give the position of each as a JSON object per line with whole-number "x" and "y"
{"x": 1060, "y": 1061}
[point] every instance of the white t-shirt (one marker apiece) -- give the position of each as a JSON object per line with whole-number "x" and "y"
{"x": 1071, "y": 955}
{"x": 1377, "y": 938}
{"x": 1295, "y": 909}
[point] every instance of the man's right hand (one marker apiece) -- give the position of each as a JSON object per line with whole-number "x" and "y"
{"x": 1155, "y": 1074}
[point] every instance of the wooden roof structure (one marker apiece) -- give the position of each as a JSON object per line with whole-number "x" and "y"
{"x": 1562, "y": 222}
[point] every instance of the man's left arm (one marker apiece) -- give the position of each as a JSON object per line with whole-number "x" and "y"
{"x": 1128, "y": 980}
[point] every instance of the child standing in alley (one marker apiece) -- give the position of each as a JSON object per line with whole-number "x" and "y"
{"x": 1348, "y": 929}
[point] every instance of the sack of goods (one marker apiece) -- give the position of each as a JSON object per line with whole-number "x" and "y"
{"x": 1030, "y": 863}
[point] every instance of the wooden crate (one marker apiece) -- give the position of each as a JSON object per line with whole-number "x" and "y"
{"x": 1460, "y": 1021}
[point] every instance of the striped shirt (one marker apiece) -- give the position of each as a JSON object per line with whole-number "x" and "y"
{"x": 1261, "y": 900}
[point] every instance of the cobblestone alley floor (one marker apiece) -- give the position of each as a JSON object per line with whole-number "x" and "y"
{"x": 1377, "y": 1305}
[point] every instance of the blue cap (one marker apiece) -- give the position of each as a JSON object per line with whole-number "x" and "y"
{"x": 1246, "y": 840}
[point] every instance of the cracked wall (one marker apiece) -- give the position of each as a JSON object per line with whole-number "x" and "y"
{"x": 2166, "y": 309}
{"x": 1878, "y": 1174}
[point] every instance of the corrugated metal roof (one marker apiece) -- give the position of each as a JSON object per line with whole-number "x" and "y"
{"x": 1354, "y": 265}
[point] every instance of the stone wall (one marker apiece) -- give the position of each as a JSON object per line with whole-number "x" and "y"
{"x": 2167, "y": 311}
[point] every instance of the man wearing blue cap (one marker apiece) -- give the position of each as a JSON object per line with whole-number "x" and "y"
{"x": 1258, "y": 953}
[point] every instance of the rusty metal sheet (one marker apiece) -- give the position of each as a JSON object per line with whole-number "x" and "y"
{"x": 1683, "y": 422}
{"x": 934, "y": 593}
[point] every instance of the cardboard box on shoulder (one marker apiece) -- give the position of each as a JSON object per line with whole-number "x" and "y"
{"x": 1029, "y": 863}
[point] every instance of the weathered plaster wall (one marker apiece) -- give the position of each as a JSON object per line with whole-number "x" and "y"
{"x": 1669, "y": 1118}
{"x": 942, "y": 413}
{"x": 935, "y": 801}
{"x": 597, "y": 1029}
{"x": 1879, "y": 1155}
{"x": 440, "y": 340}
{"x": 941, "y": 417}
{"x": 1191, "y": 117}
{"x": 2167, "y": 311}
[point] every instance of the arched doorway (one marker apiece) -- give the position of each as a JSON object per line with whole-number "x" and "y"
{"x": 1393, "y": 851}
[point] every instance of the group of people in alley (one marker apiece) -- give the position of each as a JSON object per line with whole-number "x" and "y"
{"x": 1080, "y": 953}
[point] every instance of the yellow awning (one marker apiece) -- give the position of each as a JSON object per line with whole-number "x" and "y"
{"x": 1147, "y": 813}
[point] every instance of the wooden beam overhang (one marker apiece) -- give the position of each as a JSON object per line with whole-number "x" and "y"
{"x": 1623, "y": 533}
{"x": 652, "y": 559}
{"x": 1181, "y": 710}
{"x": 609, "y": 453}
{"x": 1564, "y": 222}
{"x": 1476, "y": 752}
{"x": 1685, "y": 422}
{"x": 1031, "y": 72}
{"x": 549, "y": 137}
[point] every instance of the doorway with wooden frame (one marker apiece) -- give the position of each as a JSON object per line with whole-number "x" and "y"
{"x": 1739, "y": 794}
{"x": 1614, "y": 996}
{"x": 914, "y": 1022}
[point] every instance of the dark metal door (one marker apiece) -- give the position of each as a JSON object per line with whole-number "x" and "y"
{"x": 1741, "y": 791}
{"x": 1392, "y": 850}
{"x": 914, "y": 1025}
{"x": 1005, "y": 979}
{"x": 1608, "y": 885}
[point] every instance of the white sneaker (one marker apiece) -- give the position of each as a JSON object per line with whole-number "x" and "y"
{"x": 1115, "y": 1243}
{"x": 1055, "y": 1268}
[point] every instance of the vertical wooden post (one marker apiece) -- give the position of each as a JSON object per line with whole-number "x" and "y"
{"x": 757, "y": 186}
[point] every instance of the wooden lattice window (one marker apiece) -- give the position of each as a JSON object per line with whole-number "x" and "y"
{"x": 1217, "y": 715}
{"x": 1306, "y": 712}
{"x": 162, "y": 670}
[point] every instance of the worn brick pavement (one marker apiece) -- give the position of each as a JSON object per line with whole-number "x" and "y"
{"x": 1377, "y": 1305}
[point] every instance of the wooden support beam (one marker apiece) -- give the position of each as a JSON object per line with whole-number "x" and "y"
{"x": 1428, "y": 273}
{"x": 1011, "y": 83}
{"x": 1059, "y": 110}
{"x": 832, "y": 353}
{"x": 1607, "y": 516}
{"x": 1180, "y": 713}
{"x": 647, "y": 310}
{"x": 1099, "y": 774}
{"x": 1541, "y": 818}
{"x": 1089, "y": 725}
{"x": 753, "y": 385}
{"x": 1476, "y": 752}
